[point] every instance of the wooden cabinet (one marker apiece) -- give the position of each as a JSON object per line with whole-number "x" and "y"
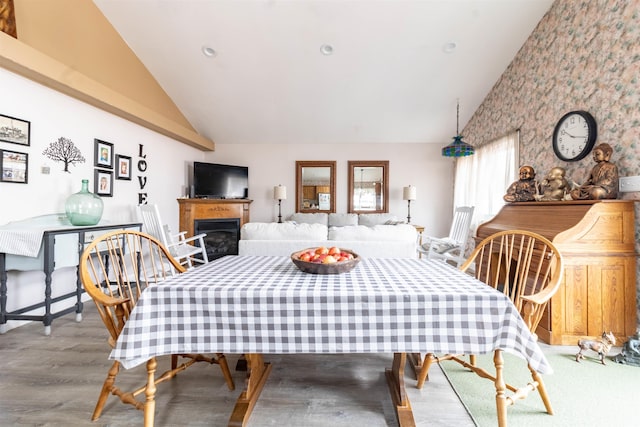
{"x": 597, "y": 242}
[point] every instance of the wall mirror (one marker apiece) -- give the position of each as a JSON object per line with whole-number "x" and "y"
{"x": 368, "y": 186}
{"x": 315, "y": 186}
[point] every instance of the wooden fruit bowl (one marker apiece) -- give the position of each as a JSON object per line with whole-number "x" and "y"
{"x": 318, "y": 268}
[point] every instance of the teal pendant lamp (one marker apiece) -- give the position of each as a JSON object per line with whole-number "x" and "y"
{"x": 458, "y": 148}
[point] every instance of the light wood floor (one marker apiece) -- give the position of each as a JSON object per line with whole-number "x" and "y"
{"x": 54, "y": 381}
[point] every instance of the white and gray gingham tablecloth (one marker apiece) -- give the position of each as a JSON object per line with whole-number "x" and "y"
{"x": 266, "y": 305}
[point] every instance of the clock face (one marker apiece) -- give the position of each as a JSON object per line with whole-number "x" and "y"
{"x": 574, "y": 136}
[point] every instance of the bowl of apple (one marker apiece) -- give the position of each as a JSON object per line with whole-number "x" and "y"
{"x": 325, "y": 260}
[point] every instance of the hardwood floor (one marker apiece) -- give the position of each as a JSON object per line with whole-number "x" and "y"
{"x": 55, "y": 380}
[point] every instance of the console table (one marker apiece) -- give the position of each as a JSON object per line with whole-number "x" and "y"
{"x": 46, "y": 243}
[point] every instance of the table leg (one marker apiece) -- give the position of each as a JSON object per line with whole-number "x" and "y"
{"x": 395, "y": 381}
{"x": 257, "y": 373}
{"x": 3, "y": 293}
{"x": 49, "y": 243}
{"x": 415, "y": 362}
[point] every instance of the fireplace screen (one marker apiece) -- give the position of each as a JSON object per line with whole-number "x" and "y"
{"x": 222, "y": 236}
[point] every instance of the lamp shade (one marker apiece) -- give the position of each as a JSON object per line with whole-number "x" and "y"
{"x": 458, "y": 148}
{"x": 280, "y": 192}
{"x": 409, "y": 193}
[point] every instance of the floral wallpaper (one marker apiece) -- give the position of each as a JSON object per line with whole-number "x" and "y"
{"x": 583, "y": 55}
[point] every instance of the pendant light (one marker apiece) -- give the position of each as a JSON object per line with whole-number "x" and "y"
{"x": 458, "y": 148}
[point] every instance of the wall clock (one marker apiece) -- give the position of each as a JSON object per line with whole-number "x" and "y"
{"x": 574, "y": 136}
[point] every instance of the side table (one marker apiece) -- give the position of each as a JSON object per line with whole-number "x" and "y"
{"x": 59, "y": 245}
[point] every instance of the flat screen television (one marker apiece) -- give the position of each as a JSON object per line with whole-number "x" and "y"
{"x": 216, "y": 181}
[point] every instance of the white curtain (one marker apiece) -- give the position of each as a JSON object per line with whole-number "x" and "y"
{"x": 482, "y": 179}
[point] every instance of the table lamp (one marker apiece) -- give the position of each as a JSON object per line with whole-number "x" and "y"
{"x": 409, "y": 194}
{"x": 280, "y": 194}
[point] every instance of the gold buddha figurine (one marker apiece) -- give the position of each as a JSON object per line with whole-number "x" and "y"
{"x": 603, "y": 179}
{"x": 525, "y": 189}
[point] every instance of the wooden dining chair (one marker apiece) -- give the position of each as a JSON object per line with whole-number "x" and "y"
{"x": 115, "y": 269}
{"x": 527, "y": 268}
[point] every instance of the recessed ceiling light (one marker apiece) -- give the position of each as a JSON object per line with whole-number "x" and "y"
{"x": 326, "y": 49}
{"x": 208, "y": 51}
{"x": 449, "y": 47}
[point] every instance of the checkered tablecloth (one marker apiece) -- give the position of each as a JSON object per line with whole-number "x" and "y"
{"x": 266, "y": 305}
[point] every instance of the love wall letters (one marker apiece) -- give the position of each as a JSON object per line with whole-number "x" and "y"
{"x": 142, "y": 179}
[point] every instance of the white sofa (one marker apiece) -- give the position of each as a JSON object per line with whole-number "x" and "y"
{"x": 368, "y": 235}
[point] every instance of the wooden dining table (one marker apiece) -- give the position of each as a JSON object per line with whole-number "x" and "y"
{"x": 256, "y": 306}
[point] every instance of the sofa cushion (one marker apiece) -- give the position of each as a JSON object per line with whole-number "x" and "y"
{"x": 400, "y": 232}
{"x": 282, "y": 231}
{"x": 342, "y": 219}
{"x": 310, "y": 218}
{"x": 375, "y": 219}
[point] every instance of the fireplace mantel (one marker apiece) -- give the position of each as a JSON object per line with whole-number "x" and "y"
{"x": 194, "y": 209}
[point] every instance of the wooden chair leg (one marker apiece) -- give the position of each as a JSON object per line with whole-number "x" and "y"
{"x": 501, "y": 398}
{"x": 106, "y": 390}
{"x": 542, "y": 390}
{"x": 150, "y": 393}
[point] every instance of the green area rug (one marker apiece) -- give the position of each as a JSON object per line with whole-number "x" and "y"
{"x": 582, "y": 394}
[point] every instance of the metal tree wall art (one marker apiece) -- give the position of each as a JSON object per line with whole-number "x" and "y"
{"x": 64, "y": 150}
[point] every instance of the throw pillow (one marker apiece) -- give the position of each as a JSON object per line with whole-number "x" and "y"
{"x": 342, "y": 219}
{"x": 310, "y": 218}
{"x": 375, "y": 219}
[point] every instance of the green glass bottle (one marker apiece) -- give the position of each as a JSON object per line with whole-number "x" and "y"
{"x": 84, "y": 207}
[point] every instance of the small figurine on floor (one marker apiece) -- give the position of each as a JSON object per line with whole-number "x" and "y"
{"x": 603, "y": 180}
{"x": 601, "y": 346}
{"x": 630, "y": 354}
{"x": 525, "y": 189}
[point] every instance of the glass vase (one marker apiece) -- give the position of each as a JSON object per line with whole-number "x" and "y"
{"x": 84, "y": 207}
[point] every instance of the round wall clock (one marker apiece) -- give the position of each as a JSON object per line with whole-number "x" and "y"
{"x": 574, "y": 136}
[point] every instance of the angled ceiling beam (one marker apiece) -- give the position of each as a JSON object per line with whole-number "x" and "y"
{"x": 22, "y": 59}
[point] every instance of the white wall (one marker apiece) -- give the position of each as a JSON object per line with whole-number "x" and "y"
{"x": 53, "y": 115}
{"x": 420, "y": 165}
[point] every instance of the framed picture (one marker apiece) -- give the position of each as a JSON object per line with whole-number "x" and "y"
{"x": 103, "y": 183}
{"x": 103, "y": 154}
{"x": 14, "y": 166}
{"x": 14, "y": 130}
{"x": 123, "y": 167}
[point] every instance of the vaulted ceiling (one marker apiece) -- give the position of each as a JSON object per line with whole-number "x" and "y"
{"x": 395, "y": 72}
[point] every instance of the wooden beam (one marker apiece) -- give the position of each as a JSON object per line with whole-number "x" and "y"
{"x": 22, "y": 59}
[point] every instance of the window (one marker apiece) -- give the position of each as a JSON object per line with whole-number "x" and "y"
{"x": 482, "y": 179}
